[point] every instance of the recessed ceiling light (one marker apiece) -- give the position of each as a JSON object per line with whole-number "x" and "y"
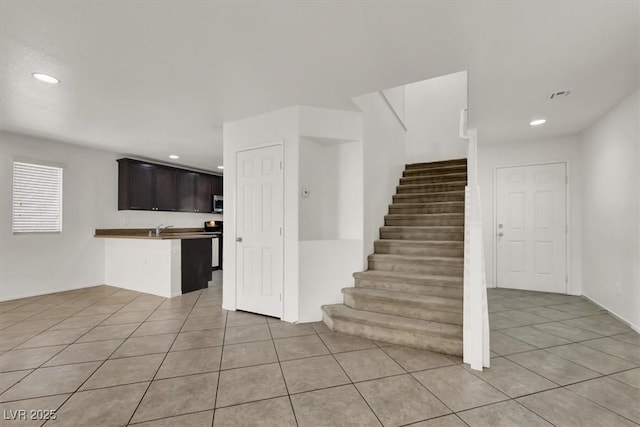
{"x": 174, "y": 156}
{"x": 46, "y": 78}
{"x": 220, "y": 167}
{"x": 538, "y": 122}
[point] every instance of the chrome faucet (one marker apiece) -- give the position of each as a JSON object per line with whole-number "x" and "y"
{"x": 160, "y": 229}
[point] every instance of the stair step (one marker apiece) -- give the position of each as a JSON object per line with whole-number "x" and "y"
{"x": 408, "y": 264}
{"x": 439, "y": 170}
{"x": 420, "y": 284}
{"x": 452, "y": 162}
{"x": 431, "y": 188}
{"x": 426, "y": 208}
{"x": 427, "y": 335}
{"x": 434, "y": 179}
{"x": 414, "y": 306}
{"x": 418, "y": 260}
{"x": 419, "y": 248}
{"x": 424, "y": 219}
{"x": 422, "y": 233}
{"x": 447, "y": 196}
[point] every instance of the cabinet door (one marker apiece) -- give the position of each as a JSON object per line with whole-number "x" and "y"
{"x": 141, "y": 180}
{"x": 203, "y": 193}
{"x": 216, "y": 185}
{"x": 166, "y": 189}
{"x": 186, "y": 191}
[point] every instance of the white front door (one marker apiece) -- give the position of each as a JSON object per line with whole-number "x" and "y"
{"x": 531, "y": 227}
{"x": 259, "y": 218}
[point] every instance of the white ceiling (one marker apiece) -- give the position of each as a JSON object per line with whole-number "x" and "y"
{"x": 155, "y": 78}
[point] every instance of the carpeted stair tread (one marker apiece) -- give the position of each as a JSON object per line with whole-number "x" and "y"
{"x": 453, "y": 305}
{"x": 440, "y": 163}
{"x": 416, "y": 279}
{"x": 440, "y": 170}
{"x": 394, "y": 322}
{"x": 421, "y": 260}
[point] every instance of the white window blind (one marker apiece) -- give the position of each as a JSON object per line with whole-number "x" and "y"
{"x": 37, "y": 198}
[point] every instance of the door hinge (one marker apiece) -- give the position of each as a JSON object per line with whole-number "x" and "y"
{"x": 280, "y": 164}
{"x": 281, "y": 231}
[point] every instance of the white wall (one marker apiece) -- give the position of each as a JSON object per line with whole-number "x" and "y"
{"x": 611, "y": 218}
{"x": 383, "y": 150}
{"x": 43, "y": 263}
{"x": 432, "y": 113}
{"x": 274, "y": 127}
{"x": 322, "y": 142}
{"x": 331, "y": 172}
{"x": 396, "y": 98}
{"x": 532, "y": 152}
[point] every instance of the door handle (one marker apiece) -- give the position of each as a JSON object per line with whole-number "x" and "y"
{"x": 239, "y": 239}
{"x": 500, "y": 234}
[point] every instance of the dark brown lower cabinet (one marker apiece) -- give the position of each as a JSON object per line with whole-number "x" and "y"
{"x": 196, "y": 264}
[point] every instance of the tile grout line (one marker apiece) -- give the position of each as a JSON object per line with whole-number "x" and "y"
{"x": 215, "y": 399}
{"x": 284, "y": 380}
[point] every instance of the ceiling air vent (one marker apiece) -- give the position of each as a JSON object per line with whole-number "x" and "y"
{"x": 560, "y": 94}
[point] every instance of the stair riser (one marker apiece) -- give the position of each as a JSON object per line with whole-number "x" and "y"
{"x": 417, "y": 251}
{"x": 428, "y": 198}
{"x": 395, "y": 336}
{"x": 434, "y": 188}
{"x": 436, "y": 179}
{"x": 436, "y": 270}
{"x": 445, "y": 163}
{"x": 422, "y": 235}
{"x": 432, "y": 290}
{"x": 434, "y": 171}
{"x": 455, "y": 221}
{"x": 424, "y": 312}
{"x": 398, "y": 209}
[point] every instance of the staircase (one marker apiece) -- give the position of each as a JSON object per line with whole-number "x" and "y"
{"x": 412, "y": 292}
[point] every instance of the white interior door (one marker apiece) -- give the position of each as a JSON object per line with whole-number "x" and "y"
{"x": 531, "y": 227}
{"x": 259, "y": 215}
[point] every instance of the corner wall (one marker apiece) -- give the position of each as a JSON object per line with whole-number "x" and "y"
{"x": 524, "y": 153}
{"x": 281, "y": 125}
{"x": 611, "y": 218}
{"x": 384, "y": 145}
{"x": 34, "y": 264}
{"x": 432, "y": 116}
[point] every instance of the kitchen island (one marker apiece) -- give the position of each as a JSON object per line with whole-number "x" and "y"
{"x": 166, "y": 263}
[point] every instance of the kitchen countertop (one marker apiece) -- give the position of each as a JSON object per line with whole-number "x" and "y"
{"x": 143, "y": 233}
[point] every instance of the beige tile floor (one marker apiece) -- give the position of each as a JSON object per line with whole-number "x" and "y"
{"x": 105, "y": 356}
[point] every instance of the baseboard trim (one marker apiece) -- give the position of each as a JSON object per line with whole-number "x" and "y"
{"x": 47, "y": 292}
{"x": 620, "y": 318}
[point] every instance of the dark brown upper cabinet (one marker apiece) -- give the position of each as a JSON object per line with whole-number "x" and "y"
{"x": 194, "y": 192}
{"x": 216, "y": 185}
{"x": 149, "y": 186}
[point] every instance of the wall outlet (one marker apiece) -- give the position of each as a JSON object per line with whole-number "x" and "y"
{"x": 306, "y": 193}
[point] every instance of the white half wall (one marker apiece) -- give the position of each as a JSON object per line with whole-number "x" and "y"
{"x": 611, "y": 218}
{"x": 432, "y": 114}
{"x": 34, "y": 264}
{"x": 383, "y": 151}
{"x": 326, "y": 266}
{"x": 149, "y": 266}
{"x": 565, "y": 149}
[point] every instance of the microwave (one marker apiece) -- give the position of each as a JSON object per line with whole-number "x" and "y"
{"x": 216, "y": 205}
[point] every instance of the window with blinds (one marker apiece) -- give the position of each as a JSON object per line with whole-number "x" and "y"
{"x": 37, "y": 198}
